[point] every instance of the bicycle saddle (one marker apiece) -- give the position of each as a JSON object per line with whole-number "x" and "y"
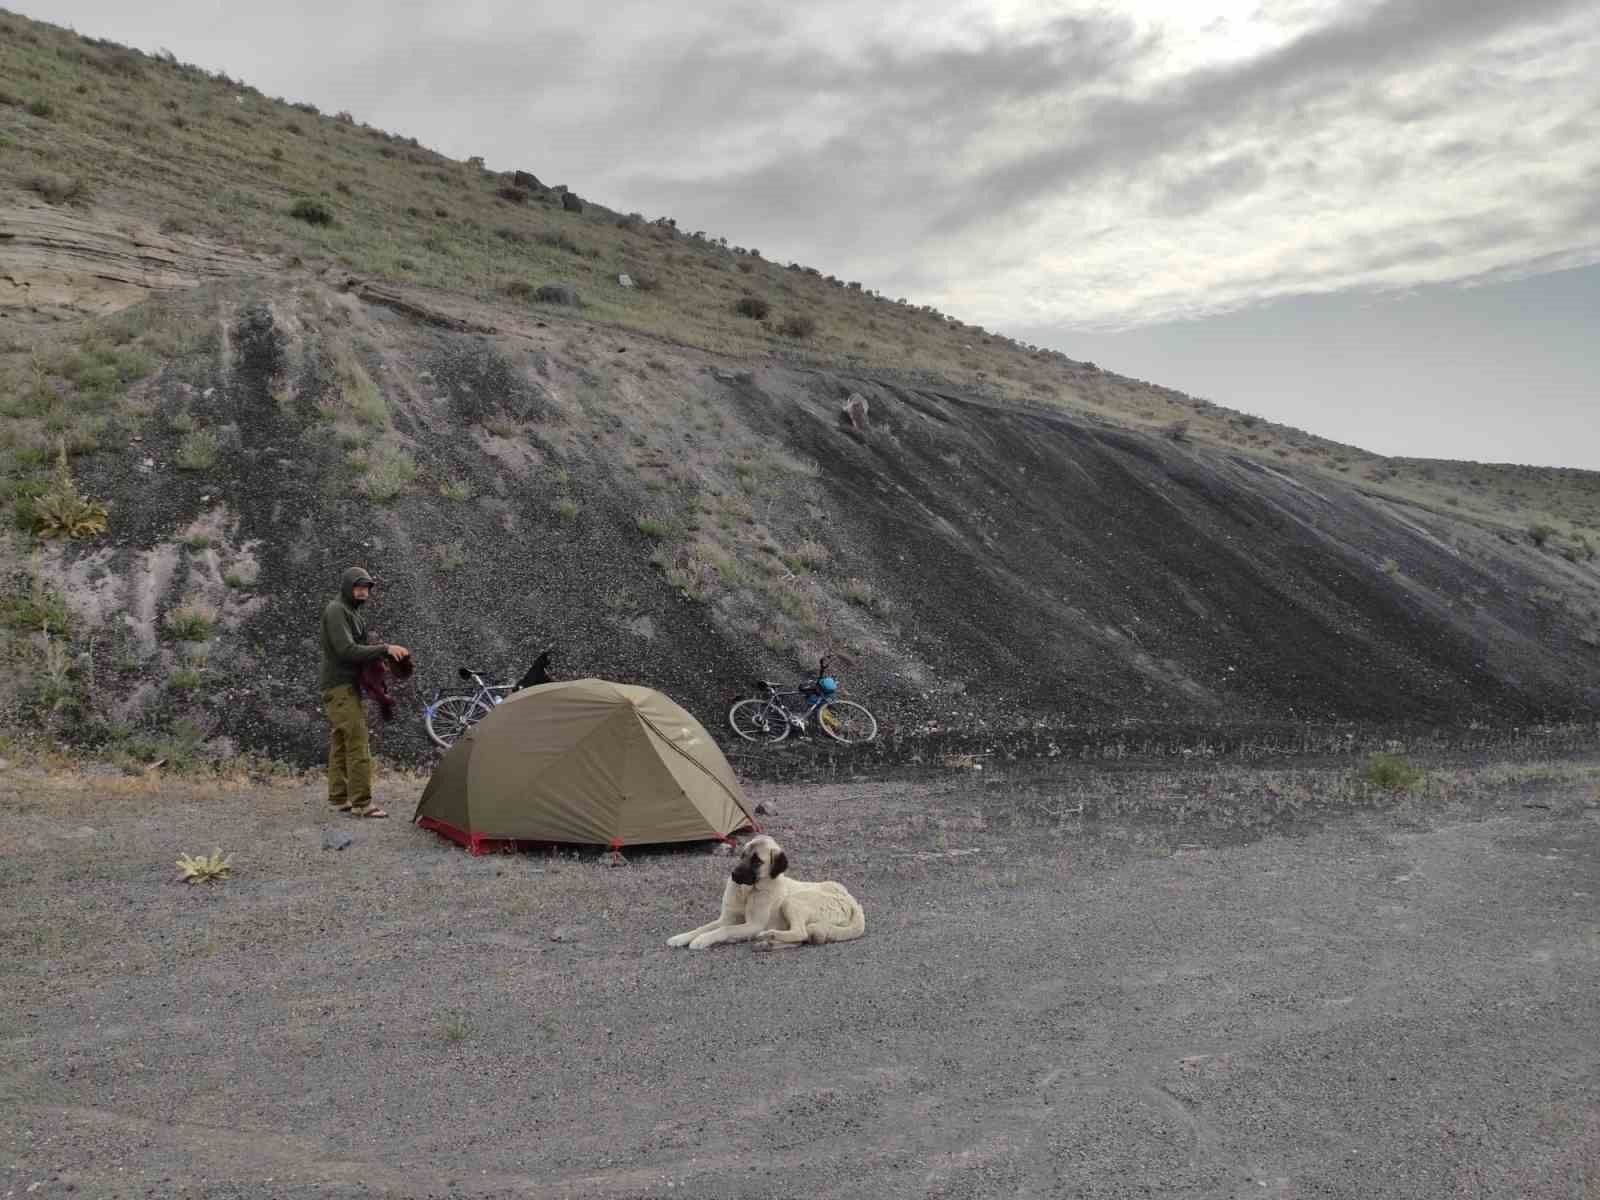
{"x": 767, "y": 683}
{"x": 467, "y": 672}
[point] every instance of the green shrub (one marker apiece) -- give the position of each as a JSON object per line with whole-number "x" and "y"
{"x": 459, "y": 490}
{"x": 197, "y": 451}
{"x": 192, "y": 622}
{"x": 1541, "y": 533}
{"x": 798, "y": 325}
{"x": 566, "y": 508}
{"x": 1391, "y": 773}
{"x": 312, "y": 212}
{"x": 862, "y": 593}
{"x": 388, "y": 473}
{"x": 57, "y": 189}
{"x": 62, "y": 511}
{"x": 653, "y": 527}
{"x": 41, "y": 108}
{"x": 753, "y": 307}
{"x": 452, "y": 556}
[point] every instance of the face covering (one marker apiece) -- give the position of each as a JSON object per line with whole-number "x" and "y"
{"x": 357, "y": 601}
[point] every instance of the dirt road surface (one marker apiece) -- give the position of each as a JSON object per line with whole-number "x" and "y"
{"x": 1397, "y": 1002}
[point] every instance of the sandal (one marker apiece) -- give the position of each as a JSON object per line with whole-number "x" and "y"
{"x": 370, "y": 813}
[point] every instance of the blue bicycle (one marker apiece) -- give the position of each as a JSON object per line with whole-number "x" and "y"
{"x": 772, "y": 717}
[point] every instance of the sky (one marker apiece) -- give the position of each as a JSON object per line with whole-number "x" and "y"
{"x": 1378, "y": 220}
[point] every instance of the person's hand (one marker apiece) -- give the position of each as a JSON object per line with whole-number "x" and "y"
{"x": 397, "y": 652}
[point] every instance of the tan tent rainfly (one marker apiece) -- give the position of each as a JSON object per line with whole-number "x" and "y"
{"x": 584, "y": 761}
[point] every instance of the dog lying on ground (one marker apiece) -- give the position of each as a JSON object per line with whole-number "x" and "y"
{"x": 763, "y": 904}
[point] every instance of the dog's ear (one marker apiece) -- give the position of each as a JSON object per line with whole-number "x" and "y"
{"x": 778, "y": 865}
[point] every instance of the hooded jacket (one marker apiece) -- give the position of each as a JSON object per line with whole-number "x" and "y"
{"x": 344, "y": 635}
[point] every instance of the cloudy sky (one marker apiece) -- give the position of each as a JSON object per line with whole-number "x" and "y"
{"x": 1376, "y": 219}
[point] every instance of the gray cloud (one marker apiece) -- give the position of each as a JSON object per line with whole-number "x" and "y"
{"x": 1067, "y": 163}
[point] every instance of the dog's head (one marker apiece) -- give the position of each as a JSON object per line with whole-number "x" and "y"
{"x": 762, "y": 858}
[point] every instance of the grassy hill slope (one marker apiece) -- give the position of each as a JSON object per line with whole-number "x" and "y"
{"x": 653, "y": 480}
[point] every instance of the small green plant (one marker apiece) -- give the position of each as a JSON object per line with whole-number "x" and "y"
{"x": 388, "y": 473}
{"x": 807, "y": 556}
{"x": 452, "y": 556}
{"x": 41, "y": 609}
{"x": 653, "y": 527}
{"x": 62, "y": 511}
{"x": 753, "y": 307}
{"x": 459, "y": 490}
{"x": 203, "y": 869}
{"x": 241, "y": 577}
{"x": 454, "y": 1026}
{"x": 1391, "y": 773}
{"x": 312, "y": 212}
{"x": 566, "y": 508}
{"x": 862, "y": 593}
{"x": 41, "y": 108}
{"x": 798, "y": 325}
{"x": 1541, "y": 533}
{"x": 197, "y": 451}
{"x": 192, "y": 622}
{"x": 185, "y": 680}
{"x": 1391, "y": 567}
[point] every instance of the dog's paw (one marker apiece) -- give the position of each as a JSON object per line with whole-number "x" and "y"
{"x": 704, "y": 942}
{"x": 761, "y": 944}
{"x": 678, "y": 939}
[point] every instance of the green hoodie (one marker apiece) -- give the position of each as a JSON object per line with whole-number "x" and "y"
{"x": 344, "y": 635}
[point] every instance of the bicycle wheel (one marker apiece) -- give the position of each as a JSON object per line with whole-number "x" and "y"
{"x": 848, "y": 722}
{"x": 759, "y": 721}
{"x": 451, "y": 716}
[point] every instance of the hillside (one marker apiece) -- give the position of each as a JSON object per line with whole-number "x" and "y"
{"x": 650, "y": 479}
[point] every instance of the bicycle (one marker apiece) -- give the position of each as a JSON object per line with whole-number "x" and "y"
{"x": 772, "y": 717}
{"x": 449, "y": 715}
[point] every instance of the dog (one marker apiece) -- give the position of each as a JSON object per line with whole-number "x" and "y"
{"x": 537, "y": 674}
{"x": 762, "y": 904}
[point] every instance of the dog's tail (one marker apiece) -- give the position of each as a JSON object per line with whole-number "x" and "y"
{"x": 853, "y": 925}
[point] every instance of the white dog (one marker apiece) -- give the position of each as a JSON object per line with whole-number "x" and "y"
{"x": 760, "y": 902}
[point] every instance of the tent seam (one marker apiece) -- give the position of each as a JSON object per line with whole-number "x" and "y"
{"x": 698, "y": 765}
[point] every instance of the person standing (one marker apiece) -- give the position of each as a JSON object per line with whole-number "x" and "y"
{"x": 344, "y": 653}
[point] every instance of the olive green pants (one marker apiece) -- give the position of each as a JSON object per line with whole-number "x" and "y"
{"x": 349, "y": 757}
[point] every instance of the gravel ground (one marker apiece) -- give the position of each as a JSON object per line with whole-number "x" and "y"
{"x": 1400, "y": 1002}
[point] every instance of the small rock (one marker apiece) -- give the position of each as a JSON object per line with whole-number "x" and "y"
{"x": 765, "y": 808}
{"x": 564, "y": 936}
{"x": 571, "y": 203}
{"x": 4, "y": 763}
{"x": 335, "y": 839}
{"x": 527, "y": 180}
{"x": 208, "y": 393}
{"x": 625, "y": 280}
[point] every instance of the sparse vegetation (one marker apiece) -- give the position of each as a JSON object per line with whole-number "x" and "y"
{"x": 864, "y": 594}
{"x": 458, "y": 490}
{"x": 1541, "y": 533}
{"x": 56, "y": 188}
{"x": 211, "y": 868}
{"x": 385, "y": 472}
{"x": 62, "y": 511}
{"x": 197, "y": 451}
{"x": 451, "y": 556}
{"x": 192, "y": 622}
{"x": 566, "y": 508}
{"x": 798, "y": 325}
{"x": 753, "y": 307}
{"x": 653, "y": 527}
{"x": 1389, "y": 772}
{"x": 311, "y": 211}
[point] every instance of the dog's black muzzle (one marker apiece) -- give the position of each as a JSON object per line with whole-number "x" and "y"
{"x": 744, "y": 875}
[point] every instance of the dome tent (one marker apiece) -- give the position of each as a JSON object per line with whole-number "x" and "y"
{"x": 585, "y": 762}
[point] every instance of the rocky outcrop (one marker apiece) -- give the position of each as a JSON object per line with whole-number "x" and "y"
{"x": 57, "y": 261}
{"x": 570, "y": 202}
